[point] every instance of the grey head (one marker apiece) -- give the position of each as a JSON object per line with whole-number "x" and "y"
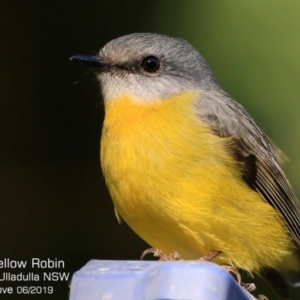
{"x": 149, "y": 66}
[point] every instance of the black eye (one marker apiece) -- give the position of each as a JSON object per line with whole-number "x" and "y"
{"x": 150, "y": 64}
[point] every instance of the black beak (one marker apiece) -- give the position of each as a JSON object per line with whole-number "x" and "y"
{"x": 90, "y": 61}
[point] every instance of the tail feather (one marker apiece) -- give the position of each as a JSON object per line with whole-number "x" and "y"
{"x": 292, "y": 277}
{"x": 277, "y": 282}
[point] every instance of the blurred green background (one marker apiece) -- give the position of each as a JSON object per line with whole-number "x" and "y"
{"x": 54, "y": 202}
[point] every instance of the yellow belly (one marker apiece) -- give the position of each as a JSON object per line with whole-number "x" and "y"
{"x": 177, "y": 186}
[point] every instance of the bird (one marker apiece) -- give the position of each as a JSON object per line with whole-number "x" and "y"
{"x": 187, "y": 168}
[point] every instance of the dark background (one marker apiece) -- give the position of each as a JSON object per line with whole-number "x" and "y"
{"x": 54, "y": 203}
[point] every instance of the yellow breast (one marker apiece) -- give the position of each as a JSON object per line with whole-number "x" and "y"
{"x": 177, "y": 185}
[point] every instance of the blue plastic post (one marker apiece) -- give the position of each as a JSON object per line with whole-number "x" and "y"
{"x": 154, "y": 280}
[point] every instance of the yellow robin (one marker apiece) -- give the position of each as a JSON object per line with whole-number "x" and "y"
{"x": 186, "y": 166}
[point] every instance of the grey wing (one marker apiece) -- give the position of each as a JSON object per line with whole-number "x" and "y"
{"x": 254, "y": 150}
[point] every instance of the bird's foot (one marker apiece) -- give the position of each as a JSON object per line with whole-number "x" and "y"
{"x": 249, "y": 287}
{"x": 235, "y": 272}
{"x": 173, "y": 256}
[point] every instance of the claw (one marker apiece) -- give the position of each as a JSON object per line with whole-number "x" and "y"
{"x": 262, "y": 297}
{"x": 250, "y": 287}
{"x": 154, "y": 251}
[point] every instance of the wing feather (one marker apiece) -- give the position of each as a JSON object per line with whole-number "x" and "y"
{"x": 255, "y": 151}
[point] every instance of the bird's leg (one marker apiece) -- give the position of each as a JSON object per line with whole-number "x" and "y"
{"x": 210, "y": 255}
